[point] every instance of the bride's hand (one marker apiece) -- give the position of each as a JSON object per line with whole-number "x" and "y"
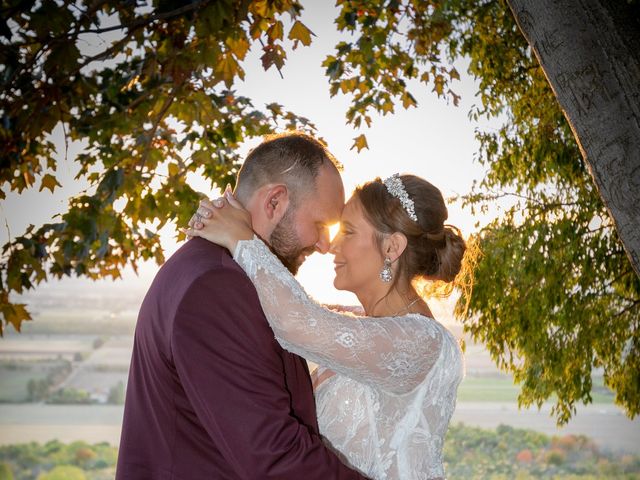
{"x": 223, "y": 221}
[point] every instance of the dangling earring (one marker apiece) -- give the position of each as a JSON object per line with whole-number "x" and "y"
{"x": 386, "y": 275}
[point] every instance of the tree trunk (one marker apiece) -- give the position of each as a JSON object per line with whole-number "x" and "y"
{"x": 590, "y": 53}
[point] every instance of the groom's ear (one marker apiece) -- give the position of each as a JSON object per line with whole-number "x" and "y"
{"x": 276, "y": 202}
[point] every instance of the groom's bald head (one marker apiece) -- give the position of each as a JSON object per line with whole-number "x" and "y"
{"x": 292, "y": 158}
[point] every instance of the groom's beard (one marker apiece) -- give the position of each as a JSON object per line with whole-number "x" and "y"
{"x": 286, "y": 244}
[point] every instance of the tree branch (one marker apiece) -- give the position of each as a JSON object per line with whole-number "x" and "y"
{"x": 629, "y": 307}
{"x": 167, "y": 103}
{"x": 131, "y": 28}
{"x": 148, "y": 19}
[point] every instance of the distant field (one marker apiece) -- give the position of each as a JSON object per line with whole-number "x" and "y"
{"x": 85, "y": 321}
{"x": 502, "y": 389}
{"x": 475, "y": 389}
{"x": 115, "y": 353}
{"x": 99, "y": 382}
{"x": 98, "y": 363}
{"x": 46, "y": 344}
{"x": 13, "y": 383}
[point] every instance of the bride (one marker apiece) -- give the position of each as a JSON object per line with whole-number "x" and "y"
{"x": 388, "y": 380}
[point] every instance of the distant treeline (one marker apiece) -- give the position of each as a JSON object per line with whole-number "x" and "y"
{"x": 470, "y": 453}
{"x": 511, "y": 453}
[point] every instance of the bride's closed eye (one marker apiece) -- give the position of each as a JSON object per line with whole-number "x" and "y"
{"x": 346, "y": 228}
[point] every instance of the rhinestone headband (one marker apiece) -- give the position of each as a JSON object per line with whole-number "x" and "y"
{"x": 396, "y": 188}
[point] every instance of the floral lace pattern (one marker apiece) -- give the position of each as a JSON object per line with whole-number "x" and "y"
{"x": 387, "y": 408}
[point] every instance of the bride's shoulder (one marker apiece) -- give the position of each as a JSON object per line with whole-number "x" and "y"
{"x": 430, "y": 324}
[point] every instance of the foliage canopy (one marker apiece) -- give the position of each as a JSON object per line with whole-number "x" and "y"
{"x": 554, "y": 297}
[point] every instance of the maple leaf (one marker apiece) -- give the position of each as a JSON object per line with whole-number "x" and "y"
{"x": 50, "y": 182}
{"x": 360, "y": 142}
{"x": 300, "y": 33}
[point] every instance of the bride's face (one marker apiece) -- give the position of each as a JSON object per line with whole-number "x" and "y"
{"x": 358, "y": 260}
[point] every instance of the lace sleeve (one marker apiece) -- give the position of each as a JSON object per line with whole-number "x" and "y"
{"x": 395, "y": 353}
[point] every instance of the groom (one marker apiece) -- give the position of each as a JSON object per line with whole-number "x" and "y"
{"x": 211, "y": 394}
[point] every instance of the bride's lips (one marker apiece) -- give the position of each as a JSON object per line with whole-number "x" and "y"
{"x": 337, "y": 265}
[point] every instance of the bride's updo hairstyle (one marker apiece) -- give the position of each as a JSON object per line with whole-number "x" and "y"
{"x": 434, "y": 250}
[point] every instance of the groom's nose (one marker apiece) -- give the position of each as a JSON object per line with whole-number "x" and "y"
{"x": 324, "y": 241}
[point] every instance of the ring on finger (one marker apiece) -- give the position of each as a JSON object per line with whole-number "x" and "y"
{"x": 198, "y": 218}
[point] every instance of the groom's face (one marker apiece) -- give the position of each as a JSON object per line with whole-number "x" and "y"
{"x": 305, "y": 227}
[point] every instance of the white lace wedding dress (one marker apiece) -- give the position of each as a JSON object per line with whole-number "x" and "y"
{"x": 387, "y": 408}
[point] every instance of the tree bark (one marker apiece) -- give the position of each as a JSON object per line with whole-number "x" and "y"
{"x": 590, "y": 53}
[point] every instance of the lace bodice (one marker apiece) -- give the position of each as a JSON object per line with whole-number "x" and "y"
{"x": 387, "y": 409}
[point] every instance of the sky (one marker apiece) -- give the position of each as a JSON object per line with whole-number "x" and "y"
{"x": 435, "y": 140}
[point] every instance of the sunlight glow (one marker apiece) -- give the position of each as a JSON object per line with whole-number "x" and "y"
{"x": 333, "y": 230}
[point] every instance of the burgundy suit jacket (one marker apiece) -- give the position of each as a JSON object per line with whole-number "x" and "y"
{"x": 211, "y": 394}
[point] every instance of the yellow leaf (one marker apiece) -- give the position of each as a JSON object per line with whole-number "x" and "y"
{"x": 50, "y": 182}
{"x": 299, "y": 32}
{"x": 275, "y": 32}
{"x": 228, "y": 68}
{"x": 275, "y": 108}
{"x": 239, "y": 47}
{"x": 258, "y": 27}
{"x": 408, "y": 100}
{"x": 174, "y": 169}
{"x": 261, "y": 7}
{"x": 15, "y": 314}
{"x": 387, "y": 107}
{"x": 360, "y": 143}
{"x": 438, "y": 85}
{"x": 348, "y": 85}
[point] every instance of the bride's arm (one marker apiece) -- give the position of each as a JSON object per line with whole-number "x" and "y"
{"x": 396, "y": 353}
